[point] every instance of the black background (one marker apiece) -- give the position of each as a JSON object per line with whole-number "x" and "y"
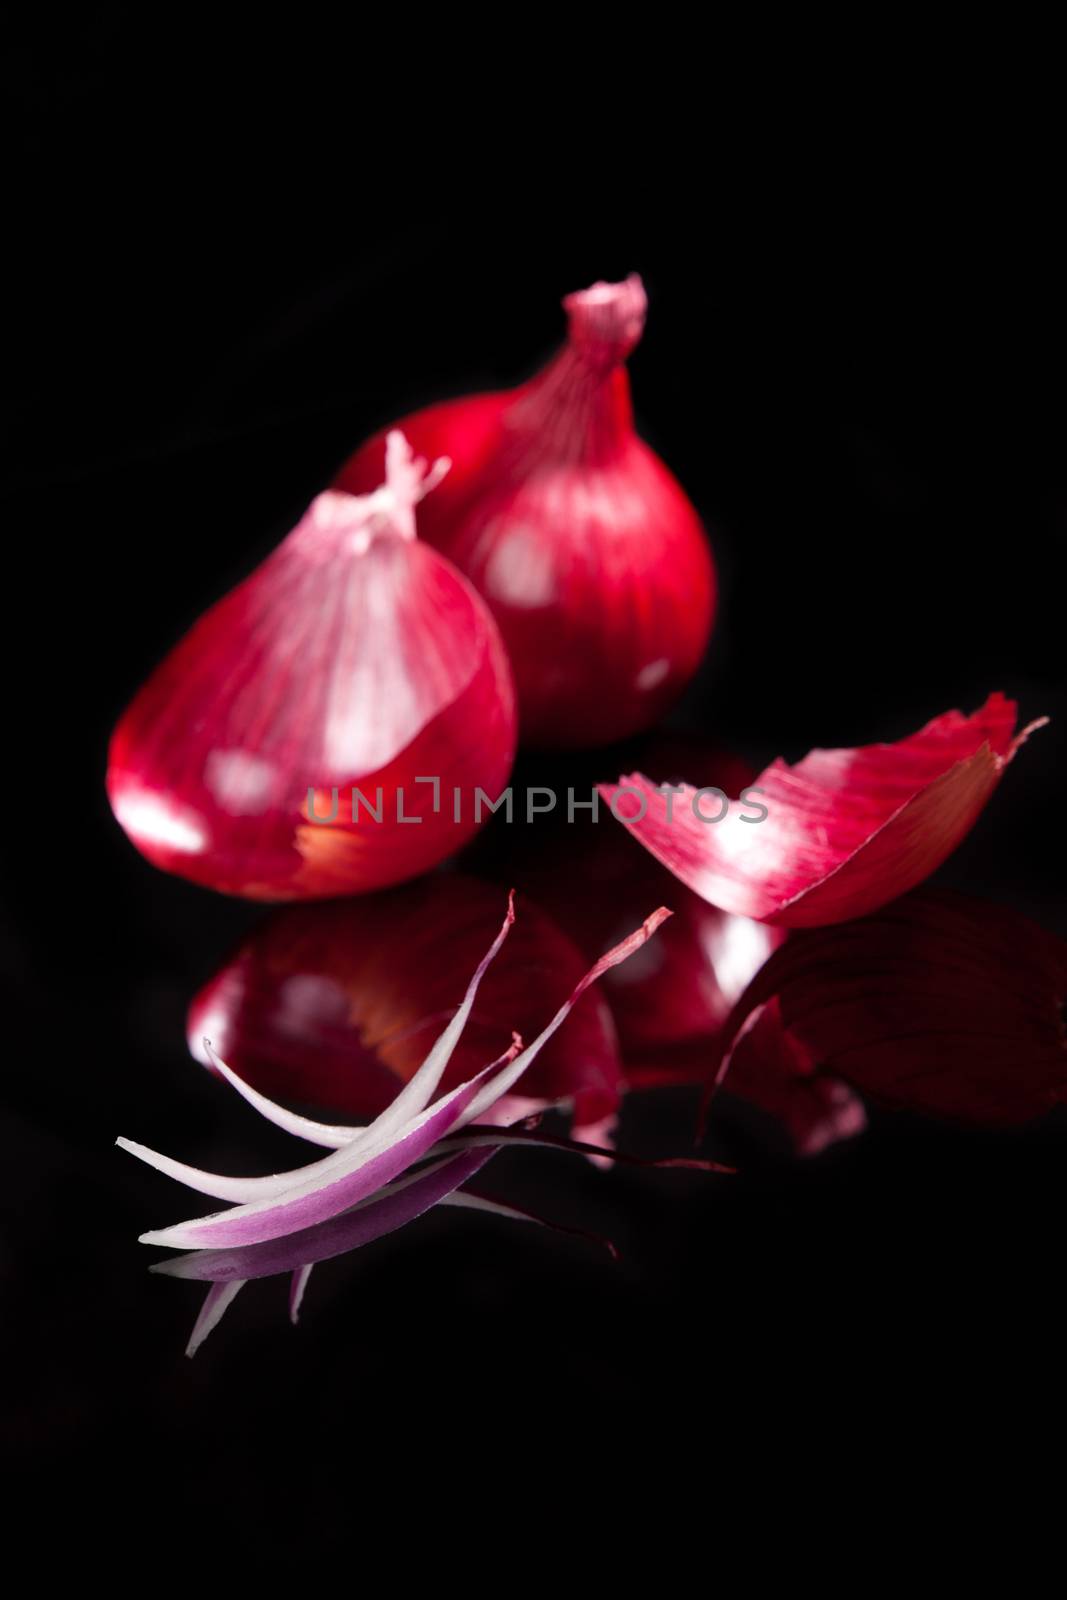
{"x": 225, "y": 272}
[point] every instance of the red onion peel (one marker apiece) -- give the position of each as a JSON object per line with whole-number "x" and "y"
{"x": 845, "y": 831}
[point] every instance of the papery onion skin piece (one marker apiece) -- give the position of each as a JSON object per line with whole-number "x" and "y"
{"x": 845, "y": 831}
{"x": 333, "y": 1005}
{"x": 592, "y": 558}
{"x": 355, "y": 655}
{"x": 938, "y": 1004}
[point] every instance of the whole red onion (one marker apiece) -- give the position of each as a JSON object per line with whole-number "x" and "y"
{"x": 354, "y": 656}
{"x": 594, "y": 562}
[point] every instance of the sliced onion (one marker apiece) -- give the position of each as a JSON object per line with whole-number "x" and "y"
{"x": 220, "y": 1298}
{"x": 297, "y": 1290}
{"x": 394, "y": 1207}
{"x": 220, "y": 1187}
{"x": 313, "y": 1194}
{"x": 335, "y": 1005}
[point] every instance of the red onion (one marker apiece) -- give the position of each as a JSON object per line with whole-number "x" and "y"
{"x": 335, "y": 1005}
{"x": 353, "y": 657}
{"x": 591, "y": 557}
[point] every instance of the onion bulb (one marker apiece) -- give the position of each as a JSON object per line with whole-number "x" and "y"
{"x": 594, "y": 562}
{"x": 278, "y": 750}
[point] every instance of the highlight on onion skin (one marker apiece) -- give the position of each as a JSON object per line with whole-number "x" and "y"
{"x": 844, "y": 832}
{"x": 938, "y": 1004}
{"x": 334, "y": 1005}
{"x": 590, "y": 555}
{"x": 681, "y": 987}
{"x": 355, "y": 655}
{"x": 671, "y": 1000}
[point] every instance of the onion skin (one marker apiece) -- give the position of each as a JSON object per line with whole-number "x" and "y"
{"x": 590, "y": 555}
{"x": 353, "y": 656}
{"x": 595, "y": 880}
{"x": 843, "y": 831}
{"x": 679, "y": 989}
{"x": 334, "y": 1005}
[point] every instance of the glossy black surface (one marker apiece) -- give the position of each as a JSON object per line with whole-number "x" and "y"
{"x": 858, "y": 381}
